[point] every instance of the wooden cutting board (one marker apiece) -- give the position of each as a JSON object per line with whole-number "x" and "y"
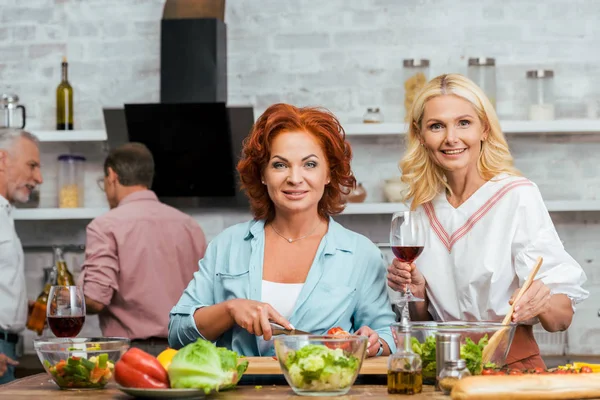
{"x": 270, "y": 366}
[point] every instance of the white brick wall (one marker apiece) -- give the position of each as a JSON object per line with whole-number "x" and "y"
{"x": 342, "y": 54}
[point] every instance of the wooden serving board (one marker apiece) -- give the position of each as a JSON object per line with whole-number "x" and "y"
{"x": 270, "y": 366}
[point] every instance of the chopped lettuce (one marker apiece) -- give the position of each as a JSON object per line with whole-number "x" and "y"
{"x": 318, "y": 368}
{"x": 202, "y": 365}
{"x": 470, "y": 351}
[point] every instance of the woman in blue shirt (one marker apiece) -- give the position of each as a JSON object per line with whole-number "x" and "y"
{"x": 292, "y": 264}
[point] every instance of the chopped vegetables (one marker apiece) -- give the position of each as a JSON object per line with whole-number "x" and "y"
{"x": 79, "y": 372}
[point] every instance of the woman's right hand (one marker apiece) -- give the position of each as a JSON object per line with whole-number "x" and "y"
{"x": 256, "y": 317}
{"x": 401, "y": 274}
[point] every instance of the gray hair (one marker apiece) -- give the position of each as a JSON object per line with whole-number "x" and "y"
{"x": 8, "y": 136}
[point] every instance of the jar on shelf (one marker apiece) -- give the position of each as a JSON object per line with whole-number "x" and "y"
{"x": 454, "y": 370}
{"x": 540, "y": 83}
{"x": 416, "y": 74}
{"x": 482, "y": 71}
{"x": 71, "y": 171}
{"x": 404, "y": 366}
{"x": 373, "y": 116}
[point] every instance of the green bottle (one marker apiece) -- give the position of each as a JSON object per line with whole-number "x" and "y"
{"x": 64, "y": 101}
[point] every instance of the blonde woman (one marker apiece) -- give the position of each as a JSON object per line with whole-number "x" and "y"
{"x": 486, "y": 223}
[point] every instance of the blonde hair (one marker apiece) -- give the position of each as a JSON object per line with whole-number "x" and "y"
{"x": 424, "y": 178}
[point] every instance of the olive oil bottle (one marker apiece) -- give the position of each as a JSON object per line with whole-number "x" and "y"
{"x": 64, "y": 101}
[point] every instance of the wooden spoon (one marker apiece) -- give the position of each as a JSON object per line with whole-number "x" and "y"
{"x": 501, "y": 334}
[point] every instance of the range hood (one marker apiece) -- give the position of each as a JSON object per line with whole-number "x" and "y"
{"x": 195, "y": 138}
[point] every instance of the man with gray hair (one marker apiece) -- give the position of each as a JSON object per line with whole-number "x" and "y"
{"x": 19, "y": 175}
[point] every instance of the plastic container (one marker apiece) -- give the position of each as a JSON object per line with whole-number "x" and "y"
{"x": 482, "y": 71}
{"x": 416, "y": 75}
{"x": 540, "y": 84}
{"x": 71, "y": 172}
{"x": 453, "y": 371}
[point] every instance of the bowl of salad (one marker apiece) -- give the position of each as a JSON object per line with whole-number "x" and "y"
{"x": 320, "y": 365}
{"x": 474, "y": 337}
{"x": 80, "y": 363}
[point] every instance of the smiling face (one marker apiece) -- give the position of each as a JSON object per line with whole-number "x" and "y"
{"x": 296, "y": 173}
{"x": 23, "y": 170}
{"x": 452, "y": 133}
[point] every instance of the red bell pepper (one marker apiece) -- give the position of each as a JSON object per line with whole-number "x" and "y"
{"x": 138, "y": 369}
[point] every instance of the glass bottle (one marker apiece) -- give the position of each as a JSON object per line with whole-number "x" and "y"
{"x": 482, "y": 71}
{"x": 64, "y": 101}
{"x": 541, "y": 94}
{"x": 452, "y": 372}
{"x": 416, "y": 73}
{"x": 37, "y": 319}
{"x": 64, "y": 276}
{"x": 404, "y": 366}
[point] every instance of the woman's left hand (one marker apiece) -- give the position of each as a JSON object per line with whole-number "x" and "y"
{"x": 374, "y": 345}
{"x": 535, "y": 301}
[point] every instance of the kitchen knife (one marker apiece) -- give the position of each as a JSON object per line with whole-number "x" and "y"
{"x": 280, "y": 330}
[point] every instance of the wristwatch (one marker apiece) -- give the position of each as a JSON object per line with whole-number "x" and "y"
{"x": 380, "y": 351}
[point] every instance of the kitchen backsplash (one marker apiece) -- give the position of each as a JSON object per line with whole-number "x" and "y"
{"x": 345, "y": 55}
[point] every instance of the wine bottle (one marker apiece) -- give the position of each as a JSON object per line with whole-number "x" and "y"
{"x": 64, "y": 101}
{"x": 64, "y": 276}
{"x": 37, "y": 319}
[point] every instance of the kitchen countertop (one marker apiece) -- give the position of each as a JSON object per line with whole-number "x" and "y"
{"x": 40, "y": 386}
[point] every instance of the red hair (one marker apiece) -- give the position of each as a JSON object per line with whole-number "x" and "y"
{"x": 256, "y": 151}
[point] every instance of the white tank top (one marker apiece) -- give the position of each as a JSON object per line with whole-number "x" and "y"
{"x": 282, "y": 297}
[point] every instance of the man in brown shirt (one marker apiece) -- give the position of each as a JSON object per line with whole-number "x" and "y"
{"x": 140, "y": 256}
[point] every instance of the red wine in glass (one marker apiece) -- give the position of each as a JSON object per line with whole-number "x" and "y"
{"x": 66, "y": 326}
{"x": 407, "y": 254}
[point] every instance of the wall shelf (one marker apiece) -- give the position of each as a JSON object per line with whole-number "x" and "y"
{"x": 559, "y": 126}
{"x": 70, "y": 136}
{"x": 33, "y": 214}
{"x": 390, "y": 208}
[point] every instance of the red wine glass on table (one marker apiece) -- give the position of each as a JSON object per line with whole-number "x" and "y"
{"x": 407, "y": 239}
{"x": 66, "y": 310}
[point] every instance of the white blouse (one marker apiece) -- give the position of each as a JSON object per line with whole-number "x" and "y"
{"x": 478, "y": 254}
{"x": 282, "y": 297}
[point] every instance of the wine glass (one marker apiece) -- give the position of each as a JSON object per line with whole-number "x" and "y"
{"x": 407, "y": 239}
{"x": 66, "y": 310}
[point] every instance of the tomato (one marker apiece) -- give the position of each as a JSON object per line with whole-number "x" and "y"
{"x": 487, "y": 371}
{"x": 560, "y": 372}
{"x": 515, "y": 372}
{"x": 138, "y": 369}
{"x": 337, "y": 331}
{"x": 586, "y": 370}
{"x": 539, "y": 370}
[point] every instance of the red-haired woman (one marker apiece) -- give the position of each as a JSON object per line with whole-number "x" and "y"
{"x": 292, "y": 264}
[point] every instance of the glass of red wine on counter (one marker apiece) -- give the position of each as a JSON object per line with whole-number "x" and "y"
{"x": 407, "y": 239}
{"x": 66, "y": 310}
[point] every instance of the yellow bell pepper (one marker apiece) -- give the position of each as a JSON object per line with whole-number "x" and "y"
{"x": 594, "y": 367}
{"x": 165, "y": 357}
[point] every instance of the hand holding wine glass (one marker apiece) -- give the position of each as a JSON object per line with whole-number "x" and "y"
{"x": 66, "y": 310}
{"x": 407, "y": 238}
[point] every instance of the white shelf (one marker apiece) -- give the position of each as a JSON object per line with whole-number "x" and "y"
{"x": 508, "y": 127}
{"x": 390, "y": 208}
{"x": 70, "y": 136}
{"x": 32, "y": 214}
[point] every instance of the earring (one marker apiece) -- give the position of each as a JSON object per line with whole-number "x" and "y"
{"x": 263, "y": 182}
{"x": 422, "y": 144}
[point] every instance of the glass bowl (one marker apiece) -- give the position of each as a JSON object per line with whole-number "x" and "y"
{"x": 470, "y": 333}
{"x": 320, "y": 365}
{"x": 80, "y": 363}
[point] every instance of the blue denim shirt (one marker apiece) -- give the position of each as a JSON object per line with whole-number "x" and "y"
{"x": 346, "y": 286}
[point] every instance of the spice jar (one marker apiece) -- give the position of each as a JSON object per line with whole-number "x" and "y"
{"x": 404, "y": 366}
{"x": 416, "y": 73}
{"x": 70, "y": 181}
{"x": 482, "y": 71}
{"x": 373, "y": 116}
{"x": 453, "y": 371}
{"x": 540, "y": 83}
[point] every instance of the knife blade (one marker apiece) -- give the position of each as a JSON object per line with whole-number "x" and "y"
{"x": 280, "y": 330}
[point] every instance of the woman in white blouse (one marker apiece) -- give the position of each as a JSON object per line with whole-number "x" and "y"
{"x": 486, "y": 223}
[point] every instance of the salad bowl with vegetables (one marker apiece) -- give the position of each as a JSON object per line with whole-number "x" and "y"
{"x": 320, "y": 365}
{"x": 80, "y": 363}
{"x": 474, "y": 337}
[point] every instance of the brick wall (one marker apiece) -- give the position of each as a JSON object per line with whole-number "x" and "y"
{"x": 342, "y": 54}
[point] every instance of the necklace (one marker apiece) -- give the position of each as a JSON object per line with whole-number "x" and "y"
{"x": 290, "y": 240}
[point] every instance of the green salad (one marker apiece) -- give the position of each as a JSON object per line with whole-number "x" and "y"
{"x": 470, "y": 351}
{"x": 316, "y": 367}
{"x": 79, "y": 372}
